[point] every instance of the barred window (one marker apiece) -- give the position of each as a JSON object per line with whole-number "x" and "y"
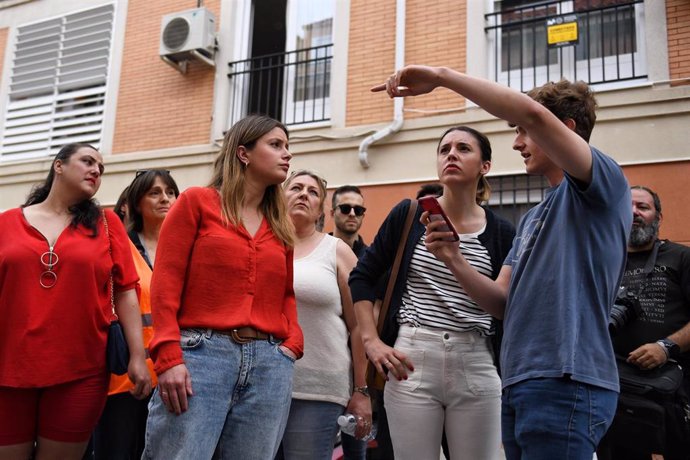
{"x": 288, "y": 73}
{"x": 512, "y": 196}
{"x": 609, "y": 45}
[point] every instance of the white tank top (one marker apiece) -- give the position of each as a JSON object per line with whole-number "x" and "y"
{"x": 325, "y": 371}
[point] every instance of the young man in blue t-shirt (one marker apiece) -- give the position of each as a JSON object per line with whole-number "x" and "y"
{"x": 560, "y": 384}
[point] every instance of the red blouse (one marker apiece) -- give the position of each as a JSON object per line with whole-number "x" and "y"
{"x": 209, "y": 275}
{"x": 56, "y": 335}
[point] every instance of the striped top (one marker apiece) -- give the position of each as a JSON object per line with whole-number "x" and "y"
{"x": 434, "y": 298}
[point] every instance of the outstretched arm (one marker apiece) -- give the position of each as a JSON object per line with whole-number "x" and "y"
{"x": 556, "y": 138}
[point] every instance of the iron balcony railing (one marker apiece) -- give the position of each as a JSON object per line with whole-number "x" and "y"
{"x": 609, "y": 47}
{"x": 293, "y": 87}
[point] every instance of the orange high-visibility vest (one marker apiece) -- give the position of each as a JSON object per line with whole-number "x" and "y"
{"x": 121, "y": 383}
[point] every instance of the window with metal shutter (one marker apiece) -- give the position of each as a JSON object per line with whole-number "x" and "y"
{"x": 58, "y": 83}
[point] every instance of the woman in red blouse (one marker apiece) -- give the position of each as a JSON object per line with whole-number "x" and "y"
{"x": 225, "y": 322}
{"x": 55, "y": 305}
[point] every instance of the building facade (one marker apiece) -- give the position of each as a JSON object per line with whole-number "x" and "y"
{"x": 93, "y": 71}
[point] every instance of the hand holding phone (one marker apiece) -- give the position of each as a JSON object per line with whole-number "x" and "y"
{"x": 432, "y": 206}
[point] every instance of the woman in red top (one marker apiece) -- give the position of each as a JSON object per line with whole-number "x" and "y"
{"x": 225, "y": 322}
{"x": 55, "y": 305}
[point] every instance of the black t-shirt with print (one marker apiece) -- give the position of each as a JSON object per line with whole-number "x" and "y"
{"x": 665, "y": 298}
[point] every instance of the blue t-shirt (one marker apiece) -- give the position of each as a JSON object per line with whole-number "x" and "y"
{"x": 567, "y": 263}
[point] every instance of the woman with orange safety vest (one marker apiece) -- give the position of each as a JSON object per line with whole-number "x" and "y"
{"x": 121, "y": 429}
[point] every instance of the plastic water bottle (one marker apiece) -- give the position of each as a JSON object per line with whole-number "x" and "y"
{"x": 348, "y": 424}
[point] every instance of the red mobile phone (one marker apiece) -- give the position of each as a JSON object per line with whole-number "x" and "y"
{"x": 430, "y": 204}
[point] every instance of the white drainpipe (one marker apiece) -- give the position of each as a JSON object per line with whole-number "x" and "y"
{"x": 397, "y": 123}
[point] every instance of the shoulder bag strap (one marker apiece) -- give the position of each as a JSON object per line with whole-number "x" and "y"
{"x": 110, "y": 251}
{"x": 396, "y": 266}
{"x": 649, "y": 267}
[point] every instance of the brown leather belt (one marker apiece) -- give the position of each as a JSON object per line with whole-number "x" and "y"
{"x": 244, "y": 334}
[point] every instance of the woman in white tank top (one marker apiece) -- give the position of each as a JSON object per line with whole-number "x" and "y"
{"x": 323, "y": 379}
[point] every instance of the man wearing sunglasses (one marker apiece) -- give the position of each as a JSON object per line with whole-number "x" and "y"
{"x": 347, "y": 210}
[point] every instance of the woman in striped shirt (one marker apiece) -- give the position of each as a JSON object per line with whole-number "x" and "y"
{"x": 436, "y": 343}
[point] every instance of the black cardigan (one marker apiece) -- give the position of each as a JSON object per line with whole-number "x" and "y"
{"x": 378, "y": 259}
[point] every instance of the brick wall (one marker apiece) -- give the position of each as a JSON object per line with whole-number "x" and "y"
{"x": 678, "y": 24}
{"x": 157, "y": 106}
{"x": 371, "y": 58}
{"x": 669, "y": 181}
{"x": 435, "y": 35}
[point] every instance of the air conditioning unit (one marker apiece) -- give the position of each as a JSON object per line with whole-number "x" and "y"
{"x": 188, "y": 35}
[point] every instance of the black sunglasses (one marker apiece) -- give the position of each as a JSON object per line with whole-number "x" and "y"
{"x": 144, "y": 171}
{"x": 346, "y": 208}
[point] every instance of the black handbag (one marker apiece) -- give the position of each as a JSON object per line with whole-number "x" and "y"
{"x": 652, "y": 413}
{"x": 663, "y": 380}
{"x": 116, "y": 351}
{"x": 640, "y": 423}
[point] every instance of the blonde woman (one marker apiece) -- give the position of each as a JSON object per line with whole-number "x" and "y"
{"x": 323, "y": 386}
{"x": 226, "y": 333}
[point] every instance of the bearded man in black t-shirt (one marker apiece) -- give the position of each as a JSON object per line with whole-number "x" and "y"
{"x": 662, "y": 329}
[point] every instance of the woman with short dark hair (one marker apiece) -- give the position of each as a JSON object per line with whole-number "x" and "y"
{"x": 150, "y": 196}
{"x": 121, "y": 429}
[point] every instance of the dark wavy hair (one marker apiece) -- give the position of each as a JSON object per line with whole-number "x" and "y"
{"x": 139, "y": 187}
{"x": 86, "y": 212}
{"x": 120, "y": 204}
{"x": 435, "y": 189}
{"x": 653, "y": 194}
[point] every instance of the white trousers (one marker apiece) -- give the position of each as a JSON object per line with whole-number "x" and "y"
{"x": 454, "y": 386}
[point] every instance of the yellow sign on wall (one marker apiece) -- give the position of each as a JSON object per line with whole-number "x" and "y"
{"x": 562, "y": 31}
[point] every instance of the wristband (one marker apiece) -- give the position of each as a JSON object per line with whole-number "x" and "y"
{"x": 363, "y": 390}
{"x": 670, "y": 347}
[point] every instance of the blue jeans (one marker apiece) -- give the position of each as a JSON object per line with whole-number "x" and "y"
{"x": 240, "y": 404}
{"x": 310, "y": 431}
{"x": 549, "y": 418}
